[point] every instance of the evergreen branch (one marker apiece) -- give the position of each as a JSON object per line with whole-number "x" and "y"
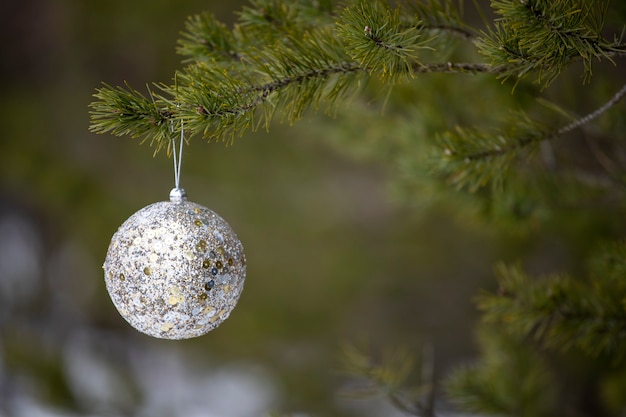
{"x": 559, "y": 311}
{"x": 263, "y": 91}
{"x": 258, "y": 94}
{"x": 309, "y": 88}
{"x": 523, "y": 142}
{"x": 206, "y": 38}
{"x": 268, "y": 21}
{"x": 545, "y": 36}
{"x": 376, "y": 37}
{"x": 261, "y": 23}
{"x": 598, "y": 112}
{"x": 223, "y": 104}
{"x": 474, "y": 392}
{"x": 510, "y": 379}
{"x": 454, "y": 67}
{"x": 388, "y": 377}
{"x": 473, "y": 158}
{"x": 618, "y": 50}
{"x": 266, "y": 89}
{"x": 301, "y": 68}
{"x": 125, "y": 111}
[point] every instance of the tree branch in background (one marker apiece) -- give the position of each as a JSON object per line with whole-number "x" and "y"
{"x": 473, "y": 159}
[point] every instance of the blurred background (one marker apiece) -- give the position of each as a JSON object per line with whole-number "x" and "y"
{"x": 347, "y": 244}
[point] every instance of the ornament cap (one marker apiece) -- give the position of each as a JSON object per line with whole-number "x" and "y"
{"x": 178, "y": 195}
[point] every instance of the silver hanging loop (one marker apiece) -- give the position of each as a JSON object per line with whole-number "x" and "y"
{"x": 178, "y": 194}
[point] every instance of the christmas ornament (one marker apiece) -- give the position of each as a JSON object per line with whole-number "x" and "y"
{"x": 175, "y": 269}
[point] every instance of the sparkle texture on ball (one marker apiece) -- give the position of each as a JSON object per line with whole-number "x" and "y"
{"x": 175, "y": 270}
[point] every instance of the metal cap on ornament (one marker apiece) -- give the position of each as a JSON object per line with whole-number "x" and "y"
{"x": 177, "y": 195}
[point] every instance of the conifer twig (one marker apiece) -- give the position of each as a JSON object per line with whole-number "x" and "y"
{"x": 561, "y": 311}
{"x": 264, "y": 90}
{"x": 586, "y": 119}
{"x": 543, "y": 136}
{"x": 473, "y": 158}
{"x": 454, "y": 67}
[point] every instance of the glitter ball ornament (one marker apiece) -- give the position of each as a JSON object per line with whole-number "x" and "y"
{"x": 175, "y": 269}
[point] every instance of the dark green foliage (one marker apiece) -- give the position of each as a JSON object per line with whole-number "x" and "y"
{"x": 473, "y": 158}
{"x": 510, "y": 379}
{"x": 293, "y": 70}
{"x": 223, "y": 104}
{"x": 267, "y": 21}
{"x": 125, "y": 111}
{"x": 545, "y": 36}
{"x": 206, "y": 38}
{"x": 377, "y": 38}
{"x": 286, "y": 56}
{"x": 390, "y": 374}
{"x": 528, "y": 319}
{"x": 562, "y": 312}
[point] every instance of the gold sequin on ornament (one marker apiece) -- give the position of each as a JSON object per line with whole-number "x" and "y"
{"x": 166, "y": 271}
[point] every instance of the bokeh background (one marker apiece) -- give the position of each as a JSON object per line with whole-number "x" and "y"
{"x": 345, "y": 245}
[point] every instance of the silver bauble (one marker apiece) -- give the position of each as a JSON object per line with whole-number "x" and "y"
{"x": 175, "y": 269}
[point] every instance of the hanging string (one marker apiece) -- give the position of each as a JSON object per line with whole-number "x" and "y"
{"x": 178, "y": 159}
{"x": 178, "y": 194}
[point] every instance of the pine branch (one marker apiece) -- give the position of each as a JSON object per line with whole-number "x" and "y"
{"x": 561, "y": 312}
{"x": 265, "y": 22}
{"x": 262, "y": 23}
{"x": 388, "y": 377}
{"x": 454, "y": 67}
{"x": 291, "y": 57}
{"x": 593, "y": 115}
{"x": 222, "y": 107}
{"x": 510, "y": 379}
{"x": 558, "y": 311}
{"x": 226, "y": 93}
{"x": 125, "y": 111}
{"x": 545, "y": 36}
{"x": 377, "y": 38}
{"x": 207, "y": 39}
{"x": 472, "y": 158}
